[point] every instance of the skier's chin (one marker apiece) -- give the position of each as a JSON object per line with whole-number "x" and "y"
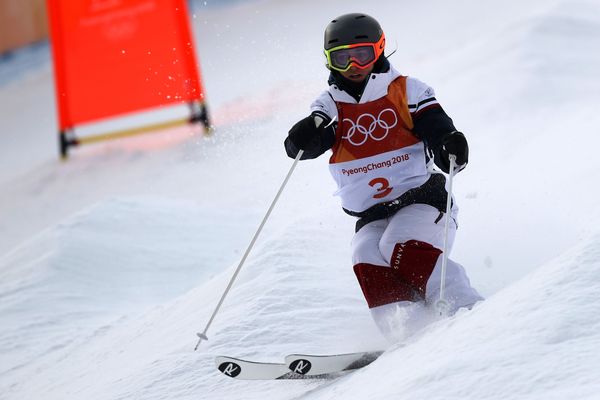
{"x": 357, "y": 77}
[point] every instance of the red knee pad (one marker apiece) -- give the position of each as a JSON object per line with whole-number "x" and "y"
{"x": 382, "y": 285}
{"x": 414, "y": 262}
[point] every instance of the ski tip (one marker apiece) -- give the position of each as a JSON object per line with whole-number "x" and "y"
{"x": 228, "y": 367}
{"x": 253, "y": 370}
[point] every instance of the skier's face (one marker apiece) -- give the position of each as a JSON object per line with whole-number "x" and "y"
{"x": 356, "y": 74}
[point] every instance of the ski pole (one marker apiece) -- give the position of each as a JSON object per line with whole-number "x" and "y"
{"x": 202, "y": 336}
{"x": 442, "y": 305}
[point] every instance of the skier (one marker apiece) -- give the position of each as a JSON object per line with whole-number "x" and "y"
{"x": 386, "y": 131}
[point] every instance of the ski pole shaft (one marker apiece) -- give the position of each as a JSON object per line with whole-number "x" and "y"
{"x": 202, "y": 336}
{"x": 442, "y": 304}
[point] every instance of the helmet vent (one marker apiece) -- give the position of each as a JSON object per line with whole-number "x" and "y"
{"x": 333, "y": 41}
{"x": 361, "y": 16}
{"x": 361, "y": 37}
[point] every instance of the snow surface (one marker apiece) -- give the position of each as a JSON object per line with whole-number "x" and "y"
{"x": 111, "y": 262}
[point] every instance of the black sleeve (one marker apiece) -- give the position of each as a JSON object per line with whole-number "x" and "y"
{"x": 430, "y": 125}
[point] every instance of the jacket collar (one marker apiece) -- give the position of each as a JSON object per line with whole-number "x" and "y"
{"x": 373, "y": 88}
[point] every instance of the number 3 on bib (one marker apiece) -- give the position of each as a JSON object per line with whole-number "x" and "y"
{"x": 382, "y": 186}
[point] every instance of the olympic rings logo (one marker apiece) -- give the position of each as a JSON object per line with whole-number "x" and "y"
{"x": 366, "y": 124}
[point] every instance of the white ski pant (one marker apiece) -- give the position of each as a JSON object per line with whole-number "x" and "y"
{"x": 378, "y": 242}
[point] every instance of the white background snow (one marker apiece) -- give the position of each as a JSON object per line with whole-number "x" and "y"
{"x": 111, "y": 262}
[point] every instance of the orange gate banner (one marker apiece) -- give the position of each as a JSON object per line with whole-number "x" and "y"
{"x": 113, "y": 57}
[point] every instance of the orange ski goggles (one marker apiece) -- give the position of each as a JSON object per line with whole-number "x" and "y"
{"x": 363, "y": 55}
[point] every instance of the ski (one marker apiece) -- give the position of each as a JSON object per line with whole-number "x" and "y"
{"x": 243, "y": 369}
{"x": 310, "y": 365}
{"x": 296, "y": 366}
{"x": 255, "y": 370}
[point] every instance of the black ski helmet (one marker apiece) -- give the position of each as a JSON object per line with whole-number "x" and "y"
{"x": 352, "y": 28}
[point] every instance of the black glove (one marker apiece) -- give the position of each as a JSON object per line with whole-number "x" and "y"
{"x": 304, "y": 133}
{"x": 313, "y": 134}
{"x": 452, "y": 143}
